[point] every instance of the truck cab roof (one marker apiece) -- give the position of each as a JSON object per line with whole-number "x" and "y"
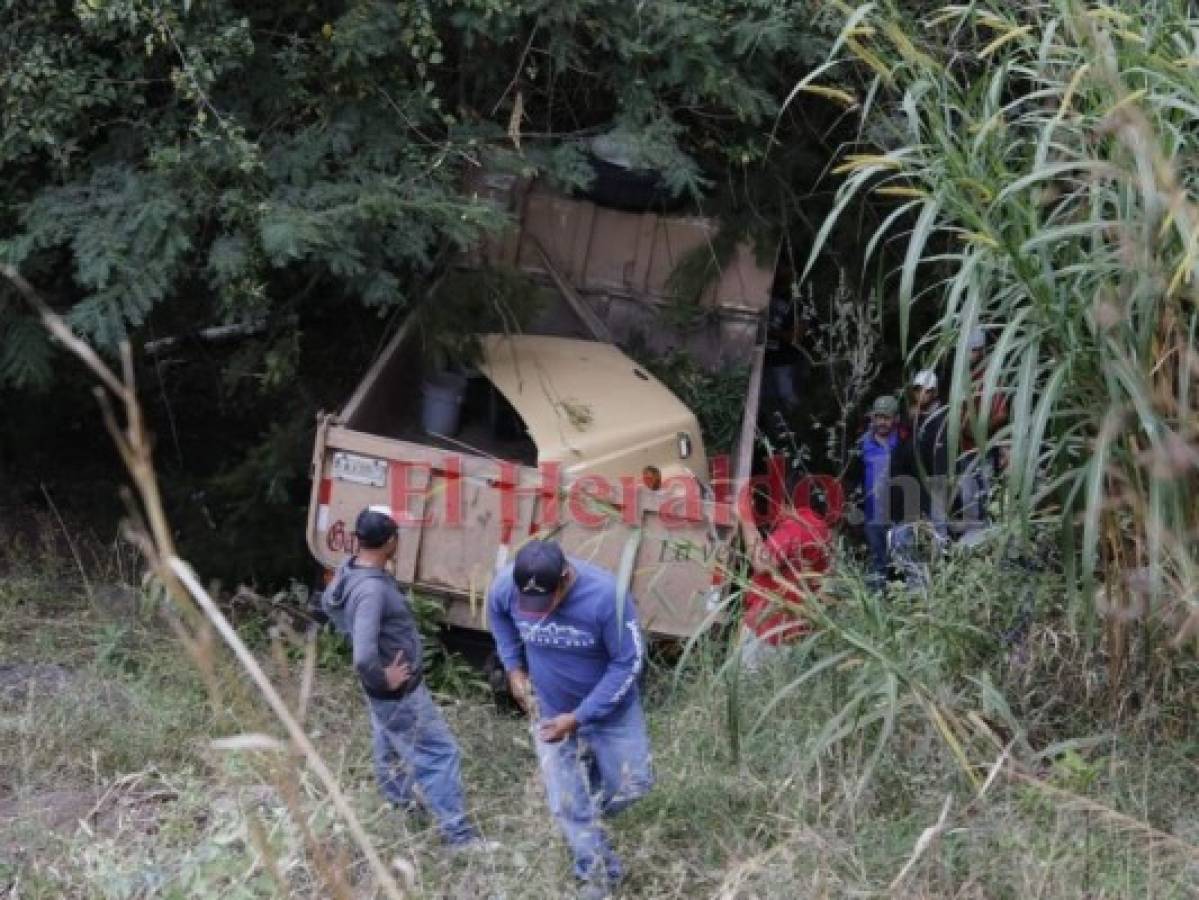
{"x": 589, "y": 407}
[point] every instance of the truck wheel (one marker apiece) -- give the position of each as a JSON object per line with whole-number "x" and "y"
{"x": 316, "y": 612}
{"x": 497, "y": 680}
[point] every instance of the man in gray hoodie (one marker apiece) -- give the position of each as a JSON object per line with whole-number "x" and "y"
{"x": 413, "y": 748}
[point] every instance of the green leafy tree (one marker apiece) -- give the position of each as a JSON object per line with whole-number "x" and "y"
{"x": 226, "y": 160}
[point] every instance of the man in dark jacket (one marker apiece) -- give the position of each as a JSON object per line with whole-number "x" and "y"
{"x": 920, "y": 468}
{"x": 416, "y": 757}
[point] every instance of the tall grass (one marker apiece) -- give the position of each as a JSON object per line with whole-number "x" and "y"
{"x": 167, "y": 814}
{"x": 1043, "y": 153}
{"x": 198, "y": 622}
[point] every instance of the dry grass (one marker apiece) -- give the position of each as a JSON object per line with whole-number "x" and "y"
{"x": 111, "y": 787}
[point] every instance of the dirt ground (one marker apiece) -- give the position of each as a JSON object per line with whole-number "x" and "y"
{"x": 31, "y": 819}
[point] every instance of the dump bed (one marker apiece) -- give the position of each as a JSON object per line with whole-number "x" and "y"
{"x": 466, "y": 503}
{"x": 463, "y": 512}
{"x": 461, "y": 516}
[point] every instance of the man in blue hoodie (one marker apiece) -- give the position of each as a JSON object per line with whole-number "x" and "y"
{"x": 416, "y": 757}
{"x": 573, "y": 655}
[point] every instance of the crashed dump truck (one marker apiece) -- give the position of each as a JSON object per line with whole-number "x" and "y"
{"x": 559, "y": 434}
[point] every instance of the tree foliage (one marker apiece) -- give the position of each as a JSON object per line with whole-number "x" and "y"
{"x": 209, "y": 160}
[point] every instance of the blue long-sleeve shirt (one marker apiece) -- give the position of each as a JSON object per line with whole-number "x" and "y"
{"x": 876, "y": 473}
{"x": 584, "y": 657}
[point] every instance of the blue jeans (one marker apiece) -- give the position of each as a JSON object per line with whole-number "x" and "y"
{"x": 876, "y": 540}
{"x": 416, "y": 761}
{"x": 598, "y": 771}
{"x": 973, "y": 489}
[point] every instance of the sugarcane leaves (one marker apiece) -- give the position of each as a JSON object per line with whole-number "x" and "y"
{"x": 1051, "y": 157}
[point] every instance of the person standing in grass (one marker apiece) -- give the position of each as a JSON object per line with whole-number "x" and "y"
{"x": 876, "y": 448}
{"x": 920, "y": 478}
{"x": 796, "y": 557}
{"x": 416, "y": 757}
{"x": 922, "y": 460}
{"x": 922, "y": 398}
{"x": 975, "y": 470}
{"x": 573, "y": 654}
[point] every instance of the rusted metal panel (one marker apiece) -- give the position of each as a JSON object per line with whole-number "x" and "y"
{"x": 408, "y": 552}
{"x": 581, "y": 244}
{"x": 673, "y": 573}
{"x": 606, "y": 250}
{"x": 678, "y": 553}
{"x": 458, "y": 560}
{"x": 506, "y": 193}
{"x": 596, "y": 327}
{"x": 673, "y": 239}
{"x": 314, "y": 533}
{"x": 746, "y": 281}
{"x": 611, "y": 264}
{"x": 553, "y": 222}
{"x": 645, "y": 252}
{"x": 620, "y": 264}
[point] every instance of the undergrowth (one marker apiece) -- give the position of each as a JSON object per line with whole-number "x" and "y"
{"x": 109, "y": 720}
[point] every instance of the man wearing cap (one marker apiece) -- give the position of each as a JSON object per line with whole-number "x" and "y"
{"x": 573, "y": 653}
{"x": 920, "y": 470}
{"x": 876, "y": 448}
{"x": 416, "y": 757}
{"x": 922, "y": 396}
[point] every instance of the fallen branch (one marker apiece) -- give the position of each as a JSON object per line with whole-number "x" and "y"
{"x": 214, "y": 335}
{"x": 926, "y": 840}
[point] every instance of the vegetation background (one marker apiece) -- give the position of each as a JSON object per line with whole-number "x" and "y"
{"x": 166, "y": 167}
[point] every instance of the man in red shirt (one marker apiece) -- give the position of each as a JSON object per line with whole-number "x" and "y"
{"x": 797, "y": 554}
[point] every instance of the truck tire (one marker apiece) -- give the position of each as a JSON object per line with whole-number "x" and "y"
{"x": 497, "y": 680}
{"x": 630, "y": 190}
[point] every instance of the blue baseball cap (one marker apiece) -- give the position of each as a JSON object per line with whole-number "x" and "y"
{"x": 537, "y": 573}
{"x": 374, "y": 527}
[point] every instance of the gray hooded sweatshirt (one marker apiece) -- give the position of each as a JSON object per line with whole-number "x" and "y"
{"x": 370, "y": 606}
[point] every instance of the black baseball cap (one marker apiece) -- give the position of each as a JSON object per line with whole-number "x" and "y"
{"x": 374, "y": 528}
{"x": 537, "y": 573}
